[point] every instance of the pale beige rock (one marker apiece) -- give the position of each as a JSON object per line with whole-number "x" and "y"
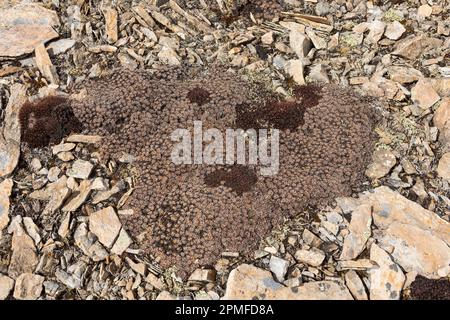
{"x": 106, "y": 194}
{"x": 267, "y": 38}
{"x": 360, "y": 231}
{"x": 80, "y": 169}
{"x": 6, "y": 285}
{"x": 443, "y": 169}
{"x": 389, "y": 206}
{"x": 60, "y": 46}
{"x": 355, "y": 285}
{"x": 248, "y": 282}
{"x": 394, "y": 30}
{"x": 105, "y": 225}
{"x": 5, "y": 192}
{"x": 413, "y": 46}
{"x": 138, "y": 267}
{"x": 53, "y": 174}
{"x": 373, "y": 89}
{"x": 311, "y": 239}
{"x": 404, "y": 74}
{"x": 313, "y": 257}
{"x": 442, "y": 86}
{"x": 278, "y": 267}
{"x": 28, "y": 286}
{"x": 87, "y": 242}
{"x": 293, "y": 26}
{"x": 63, "y": 229}
{"x": 36, "y": 165}
{"x": 81, "y": 138}
{"x": 122, "y": 243}
{"x": 169, "y": 56}
{"x": 299, "y": 43}
{"x": 126, "y": 61}
{"x": 111, "y": 24}
{"x": 165, "y": 295}
{"x": 142, "y": 12}
{"x": 424, "y": 11}
{"x": 10, "y": 131}
{"x": 32, "y": 230}
{"x": 165, "y": 22}
{"x": 66, "y": 156}
{"x": 361, "y": 264}
{"x": 83, "y": 192}
{"x": 376, "y": 31}
{"x": 24, "y": 257}
{"x": 102, "y": 48}
{"x": 382, "y": 162}
{"x": 99, "y": 183}
{"x": 416, "y": 249}
{"x": 155, "y": 281}
{"x": 47, "y": 193}
{"x": 56, "y": 201}
{"x": 294, "y": 68}
{"x": 149, "y": 34}
{"x": 442, "y": 114}
{"x": 424, "y": 94}
{"x": 361, "y": 27}
{"x": 318, "y": 73}
{"x": 24, "y": 26}
{"x": 386, "y": 280}
{"x": 203, "y": 275}
{"x": 63, "y": 147}
{"x": 318, "y": 42}
{"x": 45, "y": 65}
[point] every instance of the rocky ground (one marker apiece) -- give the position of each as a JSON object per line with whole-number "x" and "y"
{"x": 60, "y": 206}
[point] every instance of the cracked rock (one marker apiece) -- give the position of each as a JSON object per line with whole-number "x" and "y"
{"x": 386, "y": 280}
{"x": 105, "y": 225}
{"x": 247, "y": 282}
{"x": 360, "y": 231}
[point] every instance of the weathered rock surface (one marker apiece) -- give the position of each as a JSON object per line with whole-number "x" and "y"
{"x": 382, "y": 162}
{"x": 443, "y": 169}
{"x": 394, "y": 30}
{"x": 88, "y": 243}
{"x": 424, "y": 94}
{"x": 313, "y": 257}
{"x": 413, "y": 46}
{"x": 386, "y": 280}
{"x": 294, "y": 68}
{"x": 249, "y": 282}
{"x": 299, "y": 43}
{"x": 416, "y": 249}
{"x": 360, "y": 231}
{"x": 24, "y": 257}
{"x": 355, "y": 285}
{"x": 6, "y": 285}
{"x": 5, "y": 192}
{"x": 279, "y": 267}
{"x": 442, "y": 114}
{"x": 24, "y": 26}
{"x": 81, "y": 169}
{"x": 28, "y": 286}
{"x": 10, "y": 139}
{"x": 420, "y": 238}
{"x": 105, "y": 225}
